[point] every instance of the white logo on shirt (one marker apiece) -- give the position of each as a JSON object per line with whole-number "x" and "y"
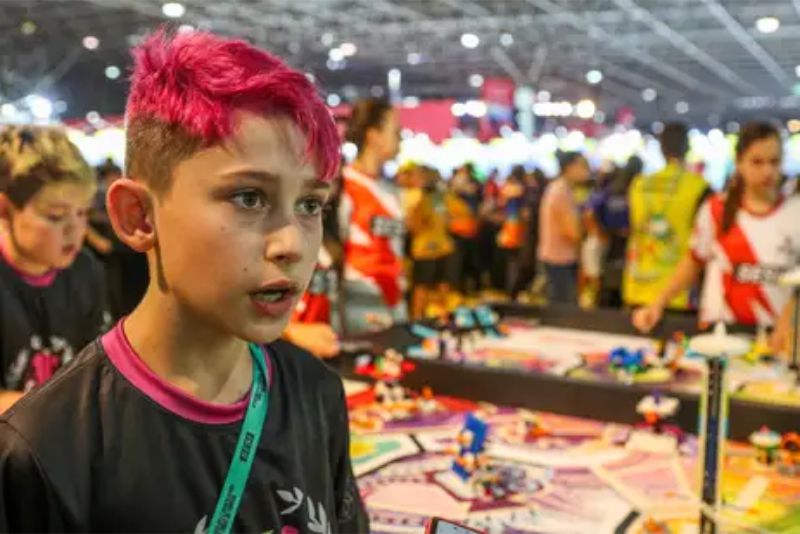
{"x": 317, "y": 518}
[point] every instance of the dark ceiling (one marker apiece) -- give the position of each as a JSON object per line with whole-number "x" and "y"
{"x": 707, "y": 53}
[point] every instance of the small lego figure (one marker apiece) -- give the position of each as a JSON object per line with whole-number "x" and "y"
{"x": 427, "y": 403}
{"x": 679, "y": 348}
{"x": 656, "y": 409}
{"x": 471, "y": 442}
{"x": 533, "y": 427}
{"x": 766, "y": 443}
{"x": 464, "y": 319}
{"x": 627, "y": 362}
{"x": 488, "y": 320}
{"x": 760, "y": 348}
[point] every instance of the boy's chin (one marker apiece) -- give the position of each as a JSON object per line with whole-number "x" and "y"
{"x": 262, "y": 332}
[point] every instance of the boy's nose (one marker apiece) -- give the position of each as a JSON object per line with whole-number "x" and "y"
{"x": 284, "y": 245}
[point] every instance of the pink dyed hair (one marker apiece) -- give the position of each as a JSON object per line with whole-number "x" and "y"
{"x": 192, "y": 83}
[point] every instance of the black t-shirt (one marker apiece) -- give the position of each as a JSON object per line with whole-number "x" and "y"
{"x": 43, "y": 326}
{"x": 91, "y": 452}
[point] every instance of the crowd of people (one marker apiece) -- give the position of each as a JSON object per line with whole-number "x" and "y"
{"x": 649, "y": 243}
{"x": 216, "y": 235}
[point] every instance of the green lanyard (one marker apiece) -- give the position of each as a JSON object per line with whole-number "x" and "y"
{"x": 249, "y": 437}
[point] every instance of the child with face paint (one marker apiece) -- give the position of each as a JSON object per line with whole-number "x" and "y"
{"x": 51, "y": 301}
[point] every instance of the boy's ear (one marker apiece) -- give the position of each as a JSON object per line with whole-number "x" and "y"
{"x": 130, "y": 209}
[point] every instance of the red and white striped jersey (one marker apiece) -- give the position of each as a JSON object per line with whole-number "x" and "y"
{"x": 743, "y": 265}
{"x": 372, "y": 225}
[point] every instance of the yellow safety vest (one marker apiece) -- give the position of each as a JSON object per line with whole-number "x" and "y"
{"x": 662, "y": 209}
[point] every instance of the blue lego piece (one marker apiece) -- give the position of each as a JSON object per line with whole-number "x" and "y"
{"x": 464, "y": 319}
{"x": 626, "y": 359}
{"x": 488, "y": 320}
{"x": 471, "y": 443}
{"x": 423, "y": 331}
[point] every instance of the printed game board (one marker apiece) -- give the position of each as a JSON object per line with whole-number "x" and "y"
{"x": 530, "y": 347}
{"x": 575, "y": 476}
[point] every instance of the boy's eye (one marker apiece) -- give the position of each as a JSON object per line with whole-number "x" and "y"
{"x": 249, "y": 200}
{"x": 55, "y": 217}
{"x": 310, "y": 206}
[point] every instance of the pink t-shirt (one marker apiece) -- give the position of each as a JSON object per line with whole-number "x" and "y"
{"x": 557, "y": 204}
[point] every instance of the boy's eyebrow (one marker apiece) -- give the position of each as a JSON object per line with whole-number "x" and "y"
{"x": 265, "y": 176}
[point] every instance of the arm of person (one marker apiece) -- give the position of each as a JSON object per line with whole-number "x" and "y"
{"x": 781, "y": 339}
{"x": 317, "y": 338}
{"x": 687, "y": 273}
{"x": 350, "y": 513}
{"x": 97, "y": 241}
{"x": 27, "y": 503}
{"x": 570, "y": 222}
{"x": 8, "y": 398}
{"x": 418, "y": 217}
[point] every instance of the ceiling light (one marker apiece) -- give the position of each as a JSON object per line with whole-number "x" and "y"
{"x": 506, "y": 39}
{"x": 414, "y": 58}
{"x": 90, "y": 42}
{"x": 93, "y": 117}
{"x": 326, "y": 39}
{"x": 8, "y": 110}
{"x": 336, "y": 54}
{"x": 173, "y": 10}
{"x": 185, "y": 28}
{"x": 585, "y": 109}
{"x": 458, "y": 109}
{"x": 410, "y": 101}
{"x": 682, "y": 108}
{"x": 377, "y": 91}
{"x": 594, "y": 77}
{"x": 476, "y": 80}
{"x": 112, "y": 72}
{"x": 658, "y": 127}
{"x": 348, "y": 49}
{"x": 334, "y": 100}
{"x": 794, "y": 126}
{"x": 543, "y": 96}
{"x": 649, "y": 94}
{"x": 394, "y": 77}
{"x": 470, "y": 40}
{"x": 336, "y": 65}
{"x": 40, "y": 107}
{"x": 349, "y": 151}
{"x": 797, "y": 71}
{"x": 28, "y": 27}
{"x": 768, "y": 24}
{"x": 476, "y": 108}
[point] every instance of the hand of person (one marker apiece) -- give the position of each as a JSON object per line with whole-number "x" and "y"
{"x": 379, "y": 321}
{"x": 317, "y": 338}
{"x": 646, "y": 318}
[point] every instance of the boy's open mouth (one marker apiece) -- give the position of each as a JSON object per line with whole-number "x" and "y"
{"x": 271, "y": 295}
{"x": 275, "y": 298}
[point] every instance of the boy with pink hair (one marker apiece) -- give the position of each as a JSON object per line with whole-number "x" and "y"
{"x": 191, "y": 415}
